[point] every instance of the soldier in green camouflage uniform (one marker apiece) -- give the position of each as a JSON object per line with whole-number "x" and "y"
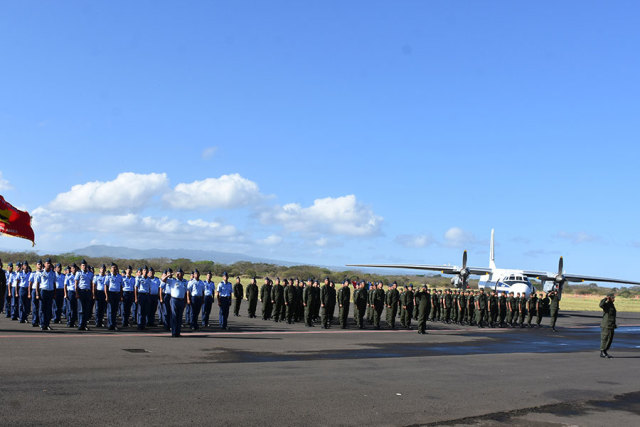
{"x": 344, "y": 299}
{"x": 407, "y": 305}
{"x": 608, "y": 324}
{"x": 391, "y": 301}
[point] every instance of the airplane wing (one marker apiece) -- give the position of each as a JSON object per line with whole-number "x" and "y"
{"x": 546, "y": 276}
{"x": 444, "y": 269}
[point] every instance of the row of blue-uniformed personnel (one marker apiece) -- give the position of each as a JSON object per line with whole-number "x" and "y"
{"x": 48, "y": 293}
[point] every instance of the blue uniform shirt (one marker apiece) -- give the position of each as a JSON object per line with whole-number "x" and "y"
{"x": 209, "y": 288}
{"x": 70, "y": 282}
{"x": 84, "y": 279}
{"x": 98, "y": 281}
{"x": 47, "y": 280}
{"x": 114, "y": 283}
{"x": 60, "y": 279}
{"x": 24, "y": 277}
{"x": 13, "y": 277}
{"x": 225, "y": 289}
{"x": 154, "y": 285}
{"x": 177, "y": 288}
{"x": 142, "y": 285}
{"x": 195, "y": 288}
{"x": 129, "y": 283}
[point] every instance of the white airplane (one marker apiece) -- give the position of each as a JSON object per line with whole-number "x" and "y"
{"x": 504, "y": 280}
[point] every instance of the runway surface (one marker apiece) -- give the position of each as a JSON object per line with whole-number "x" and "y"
{"x": 266, "y": 373}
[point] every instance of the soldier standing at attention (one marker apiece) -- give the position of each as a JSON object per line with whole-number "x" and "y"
{"x": 540, "y": 308}
{"x": 154, "y": 292}
{"x": 532, "y": 304}
{"x": 344, "y": 298}
{"x": 223, "y": 295}
{"x": 428, "y": 312}
{"x": 113, "y": 291}
{"x": 361, "y": 302}
{"x": 511, "y": 309}
{"x": 277, "y": 300}
{"x": 70, "y": 297}
{"x": 178, "y": 289}
{"x": 502, "y": 308}
{"x": 448, "y": 303}
{"x": 31, "y": 280}
{"x": 331, "y": 307}
{"x": 422, "y": 301}
{"x": 608, "y": 324}
{"x": 378, "y": 304}
{"x": 299, "y": 301}
{"x": 165, "y": 302}
{"x": 238, "y": 294}
{"x": 265, "y": 299}
{"x": 315, "y": 312}
{"x": 141, "y": 295}
{"x": 324, "y": 303}
{"x": 481, "y": 308}
{"x": 493, "y": 309}
{"x": 471, "y": 306}
{"x": 554, "y": 307}
{"x": 45, "y": 287}
{"x": 289, "y": 300}
{"x": 522, "y": 308}
{"x": 195, "y": 296}
{"x": 84, "y": 279}
{"x": 3, "y": 286}
{"x": 128, "y": 296}
{"x": 252, "y": 297}
{"x": 454, "y": 306}
{"x": 356, "y": 290}
{"x": 462, "y": 307}
{"x": 99, "y": 296}
{"x": 209, "y": 296}
{"x": 308, "y": 303}
{"x": 6, "y": 297}
{"x": 58, "y": 296}
{"x": 434, "y": 306}
{"x": 407, "y": 306}
{"x": 370, "y": 308}
{"x": 391, "y": 300}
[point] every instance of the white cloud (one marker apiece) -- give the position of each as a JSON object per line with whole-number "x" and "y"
{"x": 228, "y": 191}
{"x": 577, "y": 237}
{"x": 271, "y": 240}
{"x": 322, "y": 242}
{"x": 129, "y": 191}
{"x": 414, "y": 240}
{"x": 209, "y": 152}
{"x": 4, "y": 184}
{"x": 457, "y": 237}
{"x": 338, "y": 216}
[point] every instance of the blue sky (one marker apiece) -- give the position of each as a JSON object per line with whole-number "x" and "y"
{"x": 327, "y": 132}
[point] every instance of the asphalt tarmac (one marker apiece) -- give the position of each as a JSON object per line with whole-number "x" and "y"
{"x": 266, "y": 373}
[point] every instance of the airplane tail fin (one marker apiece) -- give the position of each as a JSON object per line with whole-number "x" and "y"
{"x": 492, "y": 255}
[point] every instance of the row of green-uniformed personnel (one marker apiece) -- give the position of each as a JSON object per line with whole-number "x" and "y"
{"x": 293, "y": 300}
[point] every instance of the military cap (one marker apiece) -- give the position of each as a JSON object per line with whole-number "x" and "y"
{"x": 129, "y": 267}
{"x": 25, "y": 263}
{"x": 84, "y": 261}
{"x": 113, "y": 264}
{"x": 165, "y": 272}
{"x": 139, "y": 269}
{"x": 195, "y": 270}
{"x": 169, "y": 270}
{"x": 151, "y": 269}
{"x": 104, "y": 266}
{"x": 611, "y": 295}
{"x": 145, "y": 267}
{"x": 10, "y": 264}
{"x": 410, "y": 286}
{"x": 47, "y": 260}
{"x": 59, "y": 265}
{"x": 180, "y": 270}
{"x": 225, "y": 274}
{"x": 39, "y": 261}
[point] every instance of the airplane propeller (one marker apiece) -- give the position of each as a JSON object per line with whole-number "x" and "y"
{"x": 460, "y": 281}
{"x": 560, "y": 280}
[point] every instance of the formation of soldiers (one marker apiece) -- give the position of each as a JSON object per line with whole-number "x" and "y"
{"x": 79, "y": 295}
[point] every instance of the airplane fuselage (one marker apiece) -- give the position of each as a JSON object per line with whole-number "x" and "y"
{"x": 502, "y": 281}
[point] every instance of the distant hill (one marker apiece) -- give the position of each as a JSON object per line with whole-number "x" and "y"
{"x": 192, "y": 254}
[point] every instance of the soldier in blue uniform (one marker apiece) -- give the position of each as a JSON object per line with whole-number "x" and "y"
{"x": 58, "y": 296}
{"x": 84, "y": 284}
{"x": 30, "y": 278}
{"x": 113, "y": 284}
{"x": 21, "y": 286}
{"x": 209, "y": 295}
{"x": 99, "y": 296}
{"x": 165, "y": 303}
{"x": 154, "y": 292}
{"x": 177, "y": 288}
{"x": 141, "y": 298}
{"x": 128, "y": 296}
{"x": 223, "y": 295}
{"x": 7, "y": 297}
{"x": 195, "y": 293}
{"x": 3, "y": 286}
{"x": 70, "y": 297}
{"x": 45, "y": 288}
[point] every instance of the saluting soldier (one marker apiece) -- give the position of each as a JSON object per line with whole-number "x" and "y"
{"x": 238, "y": 294}
{"x": 178, "y": 289}
{"x": 554, "y": 307}
{"x": 407, "y": 305}
{"x": 608, "y": 324}
{"x": 422, "y": 299}
{"x": 113, "y": 291}
{"x": 344, "y": 299}
{"x": 265, "y": 299}
{"x": 277, "y": 300}
{"x": 252, "y": 297}
{"x": 391, "y": 301}
{"x": 532, "y": 304}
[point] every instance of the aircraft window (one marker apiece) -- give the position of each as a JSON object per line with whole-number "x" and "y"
{"x": 511, "y": 278}
{"x": 520, "y": 279}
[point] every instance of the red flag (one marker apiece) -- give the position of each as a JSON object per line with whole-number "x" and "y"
{"x": 15, "y": 222}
